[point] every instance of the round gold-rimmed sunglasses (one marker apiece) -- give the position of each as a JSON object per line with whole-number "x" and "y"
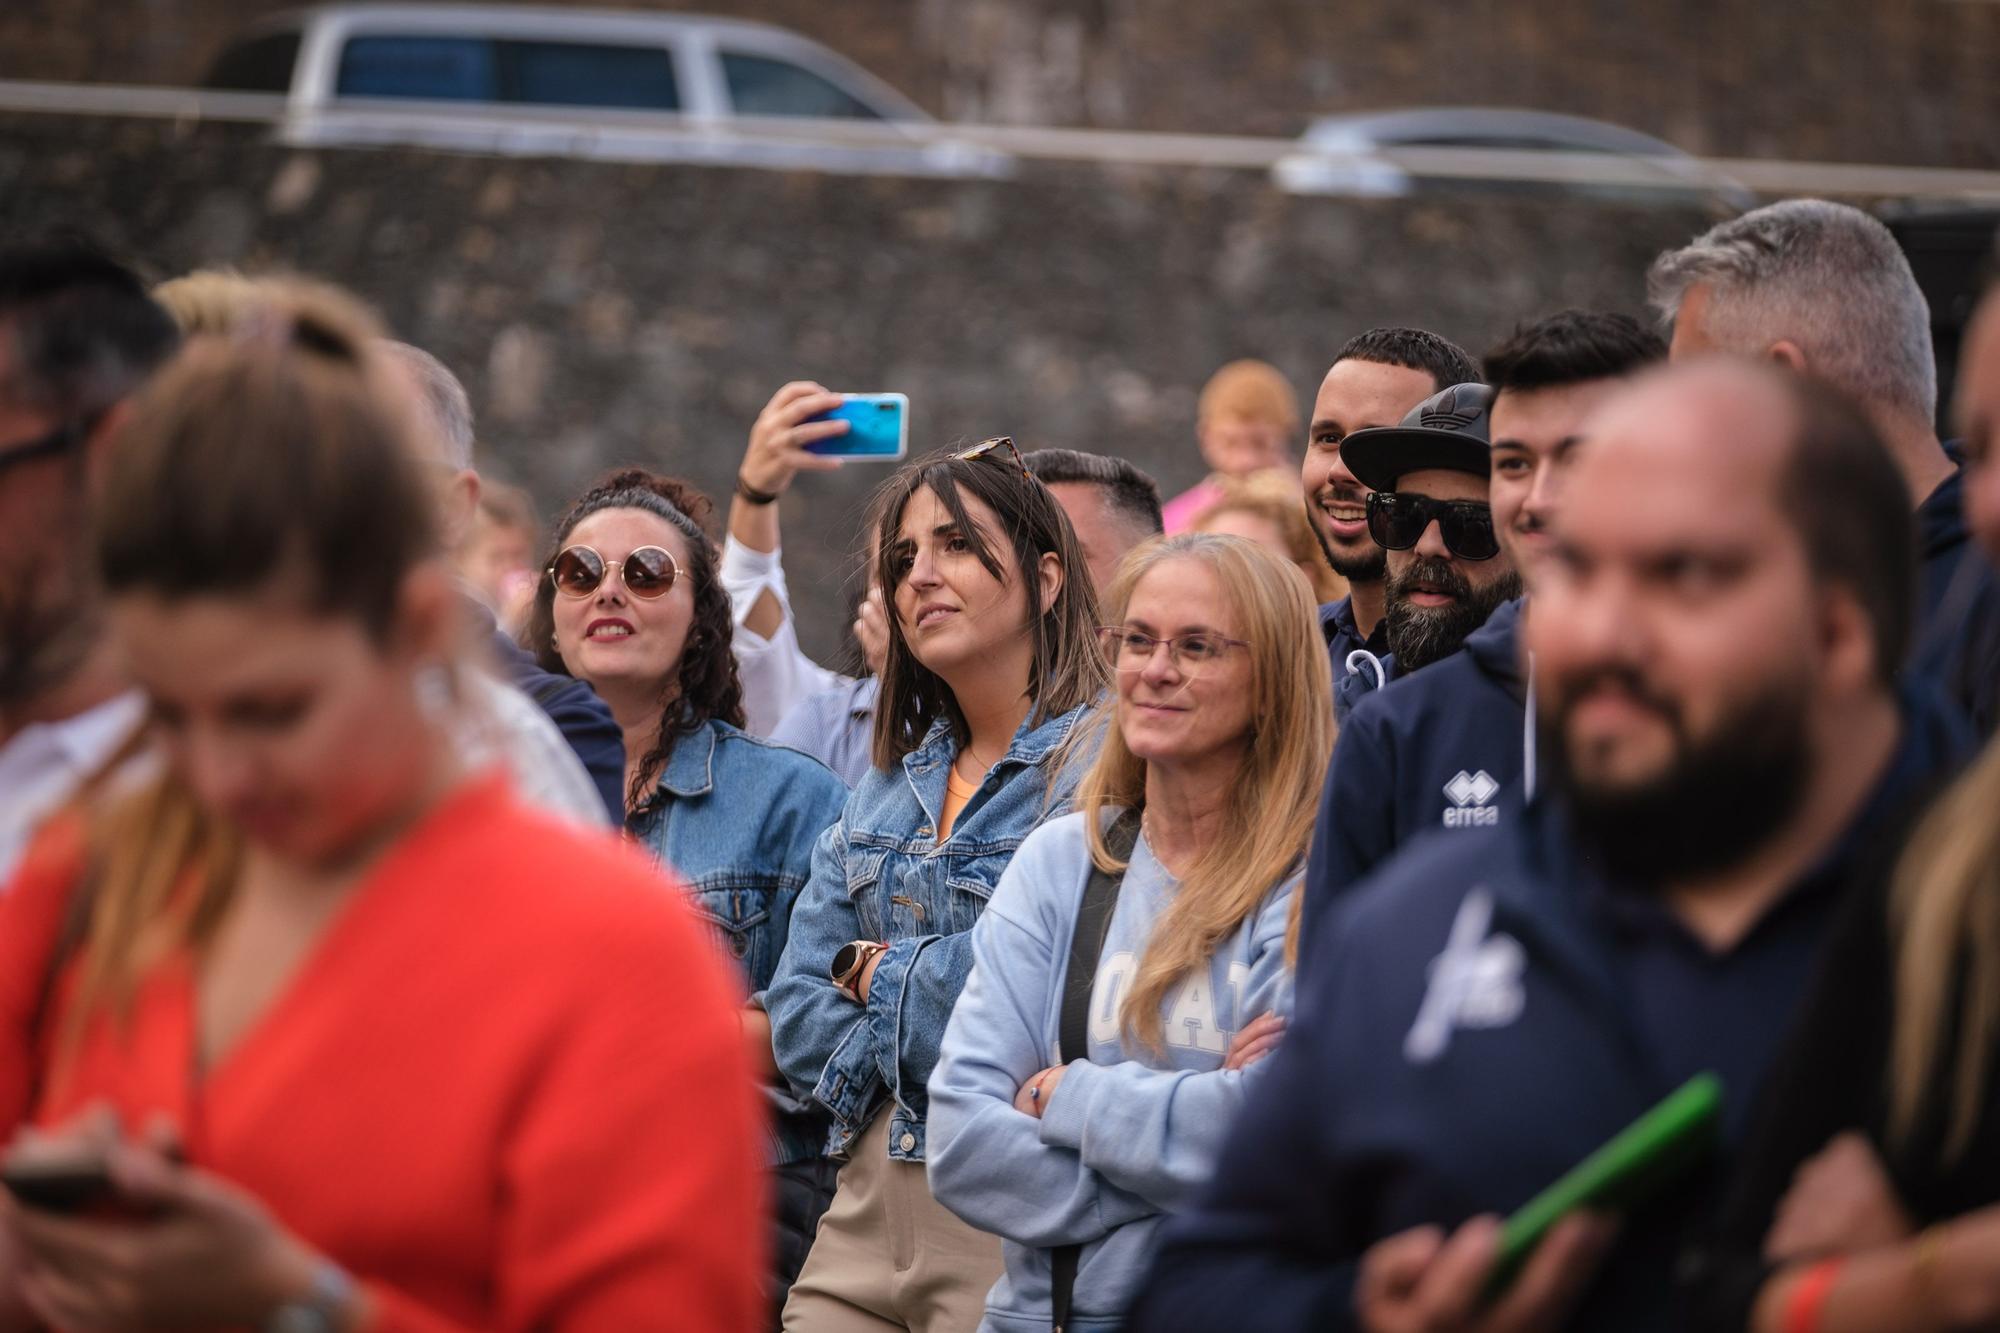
{"x": 647, "y": 573}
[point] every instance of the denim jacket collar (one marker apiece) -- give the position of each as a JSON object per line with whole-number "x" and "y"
{"x": 1031, "y": 744}
{"x": 690, "y": 769}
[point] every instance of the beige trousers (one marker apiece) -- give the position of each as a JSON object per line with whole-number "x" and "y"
{"x": 889, "y": 1256}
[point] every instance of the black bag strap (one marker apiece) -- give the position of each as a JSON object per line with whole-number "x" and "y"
{"x": 1086, "y": 942}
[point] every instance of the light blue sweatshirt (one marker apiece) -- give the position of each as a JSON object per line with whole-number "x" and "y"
{"x": 1129, "y": 1134}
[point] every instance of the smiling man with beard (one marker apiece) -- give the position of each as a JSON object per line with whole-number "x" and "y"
{"x": 1376, "y": 378}
{"x": 1717, "y": 627}
{"x": 1429, "y": 511}
{"x": 1449, "y": 747}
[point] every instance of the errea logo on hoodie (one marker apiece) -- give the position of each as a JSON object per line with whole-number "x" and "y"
{"x": 1469, "y": 794}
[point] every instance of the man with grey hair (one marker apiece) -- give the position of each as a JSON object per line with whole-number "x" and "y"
{"x": 1823, "y": 289}
{"x": 584, "y": 720}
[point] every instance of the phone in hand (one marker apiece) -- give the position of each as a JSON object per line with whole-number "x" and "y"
{"x": 70, "y": 1184}
{"x": 1637, "y": 1163}
{"x": 878, "y": 427}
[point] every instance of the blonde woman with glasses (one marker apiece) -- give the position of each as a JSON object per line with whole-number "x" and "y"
{"x": 1134, "y": 962}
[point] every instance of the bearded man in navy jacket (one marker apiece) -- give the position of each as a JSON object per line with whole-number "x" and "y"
{"x": 1449, "y": 746}
{"x": 1717, "y": 626}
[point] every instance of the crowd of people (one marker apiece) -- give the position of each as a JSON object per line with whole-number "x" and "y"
{"x": 1213, "y": 913}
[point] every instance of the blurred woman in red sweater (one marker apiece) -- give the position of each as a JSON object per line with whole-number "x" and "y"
{"x": 351, "y": 1039}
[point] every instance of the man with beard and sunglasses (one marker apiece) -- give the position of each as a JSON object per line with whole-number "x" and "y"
{"x": 1446, "y": 571}
{"x": 1449, "y": 746}
{"x": 1718, "y": 622}
{"x": 78, "y": 335}
{"x": 1375, "y": 379}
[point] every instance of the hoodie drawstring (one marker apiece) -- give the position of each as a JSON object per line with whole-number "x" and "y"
{"x": 1528, "y": 734}
{"x": 1362, "y": 657}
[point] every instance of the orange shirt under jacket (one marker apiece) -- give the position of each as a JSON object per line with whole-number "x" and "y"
{"x": 507, "y": 1089}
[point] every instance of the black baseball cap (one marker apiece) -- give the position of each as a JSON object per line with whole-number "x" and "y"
{"x": 1447, "y": 430}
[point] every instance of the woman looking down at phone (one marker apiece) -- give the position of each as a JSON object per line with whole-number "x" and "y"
{"x": 991, "y": 660}
{"x": 351, "y": 1039}
{"x": 1202, "y": 799}
{"x": 629, "y": 601}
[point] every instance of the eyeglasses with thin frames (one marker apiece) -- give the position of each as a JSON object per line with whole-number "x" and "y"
{"x": 1128, "y": 649}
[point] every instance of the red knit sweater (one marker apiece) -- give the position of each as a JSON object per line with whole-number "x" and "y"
{"x": 506, "y": 1090}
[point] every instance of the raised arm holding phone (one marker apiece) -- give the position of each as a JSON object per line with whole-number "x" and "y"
{"x": 793, "y": 434}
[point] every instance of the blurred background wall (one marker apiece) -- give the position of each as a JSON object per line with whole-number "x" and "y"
{"x": 602, "y": 313}
{"x": 1906, "y": 81}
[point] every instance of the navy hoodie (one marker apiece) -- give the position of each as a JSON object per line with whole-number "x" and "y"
{"x": 584, "y": 720}
{"x": 1343, "y": 640}
{"x": 1444, "y": 747}
{"x": 1956, "y": 645}
{"x": 1483, "y": 1013}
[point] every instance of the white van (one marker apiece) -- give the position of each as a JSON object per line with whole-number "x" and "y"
{"x": 552, "y": 81}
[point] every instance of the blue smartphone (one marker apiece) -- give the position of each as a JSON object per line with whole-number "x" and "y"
{"x": 878, "y": 427}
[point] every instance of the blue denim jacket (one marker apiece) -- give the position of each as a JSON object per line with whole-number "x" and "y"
{"x": 881, "y": 874}
{"x": 736, "y": 818}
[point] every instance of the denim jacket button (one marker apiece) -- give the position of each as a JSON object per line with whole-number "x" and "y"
{"x": 909, "y": 1142}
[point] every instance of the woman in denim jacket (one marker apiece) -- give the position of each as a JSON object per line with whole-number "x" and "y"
{"x": 992, "y": 657}
{"x": 631, "y": 603}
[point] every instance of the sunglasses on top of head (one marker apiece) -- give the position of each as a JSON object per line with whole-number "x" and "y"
{"x": 647, "y": 573}
{"x": 1397, "y": 522}
{"x": 985, "y": 449}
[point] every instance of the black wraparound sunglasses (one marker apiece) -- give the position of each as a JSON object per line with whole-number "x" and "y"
{"x": 1397, "y": 523}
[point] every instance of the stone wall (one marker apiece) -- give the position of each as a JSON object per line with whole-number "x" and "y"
{"x": 1902, "y": 81}
{"x": 603, "y": 313}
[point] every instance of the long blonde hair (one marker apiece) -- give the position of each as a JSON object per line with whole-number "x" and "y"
{"x": 1273, "y": 801}
{"x": 1945, "y": 911}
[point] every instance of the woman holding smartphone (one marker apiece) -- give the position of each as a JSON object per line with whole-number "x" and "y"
{"x": 355, "y": 1039}
{"x": 991, "y": 660}
{"x": 630, "y": 602}
{"x": 1201, "y": 799}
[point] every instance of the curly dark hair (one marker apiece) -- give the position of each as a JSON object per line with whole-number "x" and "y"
{"x": 705, "y": 688}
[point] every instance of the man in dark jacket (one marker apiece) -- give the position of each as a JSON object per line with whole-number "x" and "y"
{"x": 1824, "y": 289}
{"x": 1376, "y": 378}
{"x": 1428, "y": 509}
{"x": 1449, "y": 746}
{"x": 584, "y": 720}
{"x": 1716, "y": 632}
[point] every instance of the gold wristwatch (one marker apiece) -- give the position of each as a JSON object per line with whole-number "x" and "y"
{"x": 850, "y": 964}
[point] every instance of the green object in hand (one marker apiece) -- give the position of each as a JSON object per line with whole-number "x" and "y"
{"x": 1646, "y": 1155}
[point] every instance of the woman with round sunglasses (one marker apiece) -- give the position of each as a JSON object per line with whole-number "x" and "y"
{"x": 317, "y": 1028}
{"x": 992, "y": 659}
{"x": 1201, "y": 800}
{"x": 631, "y": 603}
